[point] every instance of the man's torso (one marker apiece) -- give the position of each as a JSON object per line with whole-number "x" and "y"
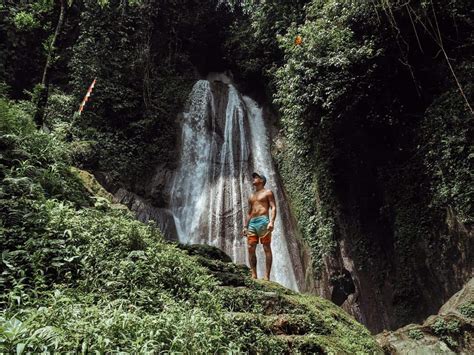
{"x": 260, "y": 203}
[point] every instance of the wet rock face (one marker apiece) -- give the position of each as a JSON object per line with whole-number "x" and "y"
{"x": 451, "y": 331}
{"x": 156, "y": 188}
{"x": 151, "y": 190}
{"x": 145, "y": 211}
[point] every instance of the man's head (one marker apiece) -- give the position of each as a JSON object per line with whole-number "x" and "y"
{"x": 258, "y": 179}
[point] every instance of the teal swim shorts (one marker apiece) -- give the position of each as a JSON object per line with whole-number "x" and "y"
{"x": 258, "y": 225}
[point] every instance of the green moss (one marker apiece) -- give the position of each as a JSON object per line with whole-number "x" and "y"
{"x": 447, "y": 331}
{"x": 321, "y": 326}
{"x": 308, "y": 195}
{"x": 206, "y": 251}
{"x": 338, "y": 331}
{"x": 467, "y": 309}
{"x": 92, "y": 185}
{"x": 415, "y": 334}
{"x": 243, "y": 299}
{"x": 307, "y": 345}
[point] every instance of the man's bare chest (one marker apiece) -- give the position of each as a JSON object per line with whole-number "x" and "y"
{"x": 260, "y": 198}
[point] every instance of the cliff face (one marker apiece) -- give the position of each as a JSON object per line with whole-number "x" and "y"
{"x": 394, "y": 256}
{"x": 395, "y": 288}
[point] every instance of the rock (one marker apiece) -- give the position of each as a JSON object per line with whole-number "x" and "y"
{"x": 157, "y": 188}
{"x": 451, "y": 331}
{"x": 342, "y": 286}
{"x": 294, "y": 323}
{"x": 145, "y": 211}
{"x": 300, "y": 344}
{"x": 219, "y": 264}
{"x": 403, "y": 344}
{"x": 466, "y": 295}
{"x": 290, "y": 324}
{"x": 206, "y": 251}
{"x": 94, "y": 187}
{"x": 91, "y": 184}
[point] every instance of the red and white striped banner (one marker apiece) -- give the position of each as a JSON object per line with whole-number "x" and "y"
{"x": 86, "y": 98}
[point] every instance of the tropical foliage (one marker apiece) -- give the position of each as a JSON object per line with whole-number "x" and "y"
{"x": 372, "y": 101}
{"x": 80, "y": 274}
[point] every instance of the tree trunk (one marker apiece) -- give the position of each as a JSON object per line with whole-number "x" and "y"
{"x": 42, "y": 99}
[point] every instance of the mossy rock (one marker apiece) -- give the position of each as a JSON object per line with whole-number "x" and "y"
{"x": 289, "y": 322}
{"x": 448, "y": 332}
{"x": 263, "y": 285}
{"x": 219, "y": 264}
{"x": 244, "y": 299}
{"x": 303, "y": 344}
{"x": 91, "y": 184}
{"x": 206, "y": 251}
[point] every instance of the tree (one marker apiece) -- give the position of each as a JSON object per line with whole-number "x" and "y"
{"x": 42, "y": 98}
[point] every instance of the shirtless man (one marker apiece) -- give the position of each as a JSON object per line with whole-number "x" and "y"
{"x": 257, "y": 225}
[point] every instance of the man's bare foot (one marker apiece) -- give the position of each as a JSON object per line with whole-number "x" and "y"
{"x": 266, "y": 278}
{"x": 254, "y": 274}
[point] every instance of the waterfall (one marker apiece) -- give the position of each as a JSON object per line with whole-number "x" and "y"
{"x": 224, "y": 139}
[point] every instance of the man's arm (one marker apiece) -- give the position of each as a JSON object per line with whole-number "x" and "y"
{"x": 271, "y": 202}
{"x": 247, "y": 216}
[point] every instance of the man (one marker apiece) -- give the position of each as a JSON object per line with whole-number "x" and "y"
{"x": 258, "y": 226}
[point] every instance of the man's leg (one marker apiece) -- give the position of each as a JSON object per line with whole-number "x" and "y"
{"x": 268, "y": 260}
{"x": 253, "y": 259}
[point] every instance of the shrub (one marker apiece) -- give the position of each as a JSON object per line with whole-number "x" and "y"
{"x": 415, "y": 334}
{"x": 467, "y": 309}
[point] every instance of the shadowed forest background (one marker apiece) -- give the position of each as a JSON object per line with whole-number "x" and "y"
{"x": 371, "y": 120}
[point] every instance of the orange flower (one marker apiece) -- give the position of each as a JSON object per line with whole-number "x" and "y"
{"x": 298, "y": 40}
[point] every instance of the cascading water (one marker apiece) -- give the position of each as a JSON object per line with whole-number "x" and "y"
{"x": 223, "y": 140}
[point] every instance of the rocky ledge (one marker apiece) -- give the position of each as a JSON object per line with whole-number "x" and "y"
{"x": 298, "y": 323}
{"x": 451, "y": 331}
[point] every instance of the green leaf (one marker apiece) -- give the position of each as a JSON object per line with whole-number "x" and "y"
{"x": 20, "y": 348}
